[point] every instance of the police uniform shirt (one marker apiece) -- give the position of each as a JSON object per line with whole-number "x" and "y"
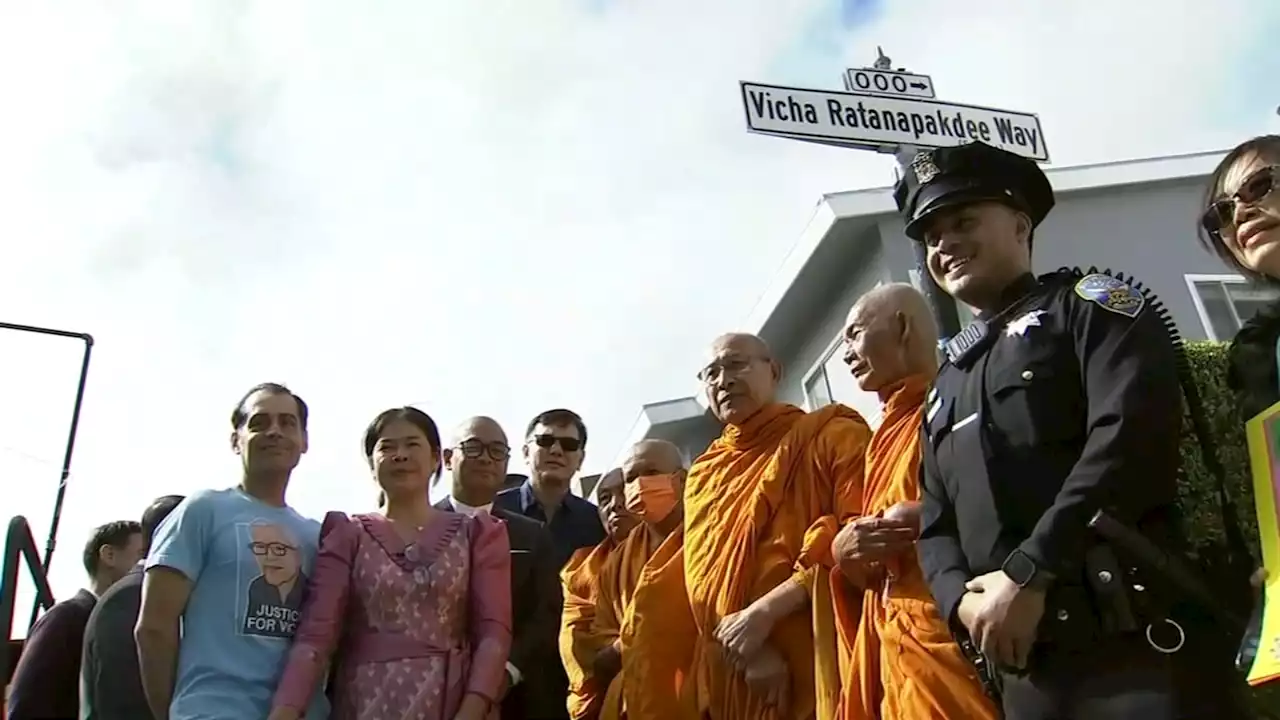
{"x": 1073, "y": 406}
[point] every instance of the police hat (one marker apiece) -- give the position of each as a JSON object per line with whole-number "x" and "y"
{"x": 975, "y": 172}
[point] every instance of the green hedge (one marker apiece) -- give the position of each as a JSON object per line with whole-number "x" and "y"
{"x": 1199, "y": 503}
{"x": 1197, "y": 488}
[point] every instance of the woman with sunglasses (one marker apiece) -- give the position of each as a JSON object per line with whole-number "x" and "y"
{"x": 417, "y": 598}
{"x": 1241, "y": 224}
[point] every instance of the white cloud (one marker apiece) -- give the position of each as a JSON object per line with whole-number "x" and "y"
{"x": 488, "y": 208}
{"x": 1110, "y": 80}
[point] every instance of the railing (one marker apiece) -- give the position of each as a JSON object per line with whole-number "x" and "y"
{"x": 19, "y": 541}
{"x": 18, "y": 544}
{"x": 58, "y": 500}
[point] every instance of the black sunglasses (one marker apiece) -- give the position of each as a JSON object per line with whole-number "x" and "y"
{"x": 1221, "y": 214}
{"x": 567, "y": 444}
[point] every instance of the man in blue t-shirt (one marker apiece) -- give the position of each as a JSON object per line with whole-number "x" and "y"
{"x": 226, "y": 576}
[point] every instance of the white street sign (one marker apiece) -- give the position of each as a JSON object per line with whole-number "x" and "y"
{"x": 875, "y": 122}
{"x": 886, "y": 82}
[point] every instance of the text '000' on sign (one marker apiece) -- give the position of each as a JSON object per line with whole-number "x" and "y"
{"x": 869, "y": 119}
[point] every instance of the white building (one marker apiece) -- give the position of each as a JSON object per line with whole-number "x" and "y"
{"x": 1138, "y": 217}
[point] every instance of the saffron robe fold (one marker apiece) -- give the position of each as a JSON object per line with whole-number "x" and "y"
{"x": 761, "y": 506}
{"x": 642, "y": 603}
{"x": 905, "y": 665}
{"x": 578, "y": 646}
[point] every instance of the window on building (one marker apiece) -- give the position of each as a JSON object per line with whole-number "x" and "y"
{"x": 830, "y": 382}
{"x": 1225, "y": 302}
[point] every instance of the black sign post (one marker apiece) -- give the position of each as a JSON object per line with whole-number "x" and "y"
{"x": 87, "y": 339}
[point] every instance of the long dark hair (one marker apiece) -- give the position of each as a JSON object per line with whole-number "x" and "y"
{"x": 1265, "y": 146}
{"x": 414, "y": 417}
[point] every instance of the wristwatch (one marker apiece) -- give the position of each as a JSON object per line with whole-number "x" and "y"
{"x": 1024, "y": 572}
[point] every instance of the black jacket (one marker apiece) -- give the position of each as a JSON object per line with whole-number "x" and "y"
{"x": 536, "y": 604}
{"x": 111, "y": 686}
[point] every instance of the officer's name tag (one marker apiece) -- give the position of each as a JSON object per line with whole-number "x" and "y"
{"x": 964, "y": 421}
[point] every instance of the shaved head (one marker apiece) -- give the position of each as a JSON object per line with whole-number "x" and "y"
{"x": 900, "y": 298}
{"x": 618, "y": 521}
{"x": 652, "y": 457}
{"x": 740, "y": 377}
{"x": 742, "y": 342}
{"x": 890, "y": 335}
{"x": 476, "y": 426}
{"x": 649, "y": 459}
{"x": 611, "y": 480}
{"x": 477, "y": 459}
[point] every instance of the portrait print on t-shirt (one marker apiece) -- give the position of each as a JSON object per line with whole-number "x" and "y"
{"x": 272, "y": 579}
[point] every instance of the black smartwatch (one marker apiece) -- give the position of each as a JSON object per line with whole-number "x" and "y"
{"x": 1024, "y": 572}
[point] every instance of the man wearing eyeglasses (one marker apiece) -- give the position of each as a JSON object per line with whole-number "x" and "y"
{"x": 555, "y": 442}
{"x": 477, "y": 463}
{"x": 761, "y": 508}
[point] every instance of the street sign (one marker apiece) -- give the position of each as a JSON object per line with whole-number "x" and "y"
{"x": 864, "y": 121}
{"x": 885, "y": 82}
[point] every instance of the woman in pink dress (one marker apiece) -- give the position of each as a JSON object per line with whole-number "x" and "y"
{"x": 416, "y": 601}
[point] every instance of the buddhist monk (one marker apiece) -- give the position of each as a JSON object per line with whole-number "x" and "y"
{"x": 641, "y": 603}
{"x": 580, "y": 580}
{"x": 904, "y": 663}
{"x": 761, "y": 508}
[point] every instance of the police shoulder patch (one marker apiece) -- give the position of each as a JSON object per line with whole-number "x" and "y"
{"x": 1111, "y": 294}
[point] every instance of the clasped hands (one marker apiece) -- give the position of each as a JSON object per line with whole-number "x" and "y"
{"x": 742, "y": 638}
{"x": 863, "y": 546}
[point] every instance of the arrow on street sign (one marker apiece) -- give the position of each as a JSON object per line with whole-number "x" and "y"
{"x": 861, "y": 120}
{"x": 887, "y": 82}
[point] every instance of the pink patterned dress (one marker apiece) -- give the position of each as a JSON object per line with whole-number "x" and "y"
{"x": 416, "y": 626}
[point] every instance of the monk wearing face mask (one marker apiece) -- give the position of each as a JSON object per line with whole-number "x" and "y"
{"x": 580, "y": 579}
{"x": 905, "y": 663}
{"x": 641, "y": 601}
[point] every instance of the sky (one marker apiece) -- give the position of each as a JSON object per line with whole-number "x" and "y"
{"x": 478, "y": 208}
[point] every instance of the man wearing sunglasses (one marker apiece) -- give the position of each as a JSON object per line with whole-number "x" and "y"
{"x": 555, "y": 442}
{"x": 477, "y": 464}
{"x": 553, "y": 449}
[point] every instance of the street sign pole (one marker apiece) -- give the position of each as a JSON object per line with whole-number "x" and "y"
{"x": 889, "y": 110}
{"x": 945, "y": 314}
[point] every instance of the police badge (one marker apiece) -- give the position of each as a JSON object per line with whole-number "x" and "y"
{"x": 923, "y": 166}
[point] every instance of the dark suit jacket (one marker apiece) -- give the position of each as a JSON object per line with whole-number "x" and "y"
{"x": 536, "y": 605}
{"x": 111, "y": 683}
{"x": 46, "y": 683}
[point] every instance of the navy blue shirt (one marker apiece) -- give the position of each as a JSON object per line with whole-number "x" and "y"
{"x": 575, "y": 525}
{"x": 46, "y": 682}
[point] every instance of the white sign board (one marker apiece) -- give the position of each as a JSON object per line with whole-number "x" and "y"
{"x": 868, "y": 121}
{"x": 886, "y": 82}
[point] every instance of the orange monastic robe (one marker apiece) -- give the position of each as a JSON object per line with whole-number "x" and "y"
{"x": 904, "y": 663}
{"x": 761, "y": 506}
{"x": 578, "y": 647}
{"x": 641, "y": 601}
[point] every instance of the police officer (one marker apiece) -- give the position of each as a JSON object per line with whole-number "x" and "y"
{"x": 1060, "y": 400}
